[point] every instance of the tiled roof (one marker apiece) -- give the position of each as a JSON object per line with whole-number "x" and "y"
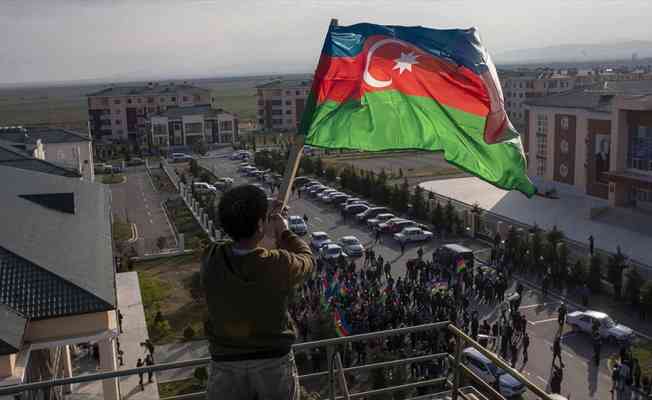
{"x": 203, "y": 109}
{"x": 38, "y": 294}
{"x": 12, "y": 329}
{"x": 10, "y": 156}
{"x": 584, "y": 99}
{"x": 286, "y": 84}
{"x": 146, "y": 90}
{"x": 47, "y": 135}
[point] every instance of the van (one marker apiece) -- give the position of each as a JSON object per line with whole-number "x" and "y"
{"x": 492, "y": 374}
{"x": 449, "y": 253}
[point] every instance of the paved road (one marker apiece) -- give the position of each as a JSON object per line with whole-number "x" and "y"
{"x": 581, "y": 377}
{"x": 137, "y": 201}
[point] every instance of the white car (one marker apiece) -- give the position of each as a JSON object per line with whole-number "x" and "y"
{"x": 332, "y": 251}
{"x": 609, "y": 330}
{"x": 203, "y": 187}
{"x": 297, "y": 225}
{"x": 317, "y": 239}
{"x": 380, "y": 218}
{"x": 489, "y": 372}
{"x": 412, "y": 234}
{"x": 352, "y": 246}
{"x": 326, "y": 193}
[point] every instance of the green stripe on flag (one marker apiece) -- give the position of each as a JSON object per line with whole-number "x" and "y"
{"x": 392, "y": 120}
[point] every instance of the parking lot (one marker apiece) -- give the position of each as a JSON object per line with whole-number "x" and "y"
{"x": 581, "y": 377}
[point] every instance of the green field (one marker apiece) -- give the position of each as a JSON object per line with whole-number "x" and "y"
{"x": 66, "y": 105}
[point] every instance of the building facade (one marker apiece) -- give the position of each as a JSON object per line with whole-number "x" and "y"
{"x": 280, "y": 104}
{"x": 121, "y": 113}
{"x": 70, "y": 149}
{"x": 185, "y": 126}
{"x": 598, "y": 141}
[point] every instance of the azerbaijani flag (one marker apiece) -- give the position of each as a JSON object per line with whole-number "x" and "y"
{"x": 341, "y": 326}
{"x": 460, "y": 265}
{"x": 391, "y": 88}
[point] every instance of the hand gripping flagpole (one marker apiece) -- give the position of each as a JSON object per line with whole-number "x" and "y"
{"x": 296, "y": 151}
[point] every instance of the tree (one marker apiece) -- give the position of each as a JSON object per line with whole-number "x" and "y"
{"x": 615, "y": 267}
{"x": 196, "y": 290}
{"x": 189, "y": 333}
{"x": 182, "y": 178}
{"x": 319, "y": 167}
{"x": 512, "y": 242}
{"x": 449, "y": 216}
{"x": 595, "y": 273}
{"x": 200, "y": 147}
{"x": 201, "y": 374}
{"x": 194, "y": 167}
{"x": 536, "y": 246}
{"x": 161, "y": 242}
{"x": 562, "y": 261}
{"x": 437, "y": 215}
{"x": 646, "y": 296}
{"x": 307, "y": 165}
{"x": 331, "y": 173}
{"x": 396, "y": 197}
{"x": 578, "y": 273}
{"x": 633, "y": 286}
{"x": 418, "y": 203}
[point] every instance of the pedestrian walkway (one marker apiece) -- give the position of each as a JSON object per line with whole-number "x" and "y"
{"x": 134, "y": 332}
{"x": 180, "y": 352}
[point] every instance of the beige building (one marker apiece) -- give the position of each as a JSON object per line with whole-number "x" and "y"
{"x": 58, "y": 276}
{"x": 60, "y": 146}
{"x": 280, "y": 104}
{"x": 596, "y": 140}
{"x": 185, "y": 126}
{"x": 121, "y": 113}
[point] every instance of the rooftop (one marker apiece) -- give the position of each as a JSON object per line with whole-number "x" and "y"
{"x": 146, "y": 90}
{"x": 56, "y": 260}
{"x": 18, "y": 134}
{"x": 203, "y": 109}
{"x": 286, "y": 84}
{"x": 10, "y": 156}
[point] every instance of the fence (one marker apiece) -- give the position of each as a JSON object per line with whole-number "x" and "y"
{"x": 489, "y": 227}
{"x": 337, "y": 374}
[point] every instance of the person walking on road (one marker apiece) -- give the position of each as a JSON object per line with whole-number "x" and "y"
{"x": 379, "y": 236}
{"x": 305, "y": 218}
{"x": 139, "y": 364}
{"x": 402, "y": 243}
{"x": 420, "y": 253}
{"x": 556, "y": 351}
{"x": 561, "y": 316}
{"x": 557, "y": 378}
{"x": 591, "y": 248}
{"x": 597, "y": 347}
{"x": 149, "y": 360}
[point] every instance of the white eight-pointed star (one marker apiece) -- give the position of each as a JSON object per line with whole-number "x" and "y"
{"x": 405, "y": 62}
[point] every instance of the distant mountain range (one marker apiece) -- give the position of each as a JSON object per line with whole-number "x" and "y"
{"x": 578, "y": 53}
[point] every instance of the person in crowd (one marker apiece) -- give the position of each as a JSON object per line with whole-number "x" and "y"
{"x": 247, "y": 289}
{"x": 139, "y": 364}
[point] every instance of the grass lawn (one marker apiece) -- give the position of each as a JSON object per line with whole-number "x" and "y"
{"x": 176, "y": 388}
{"x": 185, "y": 223}
{"x": 165, "y": 286}
{"x": 110, "y": 179}
{"x": 121, "y": 230}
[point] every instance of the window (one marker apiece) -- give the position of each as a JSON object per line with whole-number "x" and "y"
{"x": 173, "y": 99}
{"x": 261, "y": 121}
{"x": 116, "y": 101}
{"x": 261, "y": 103}
{"x": 277, "y": 103}
{"x": 226, "y": 125}
{"x": 104, "y": 101}
{"x": 184, "y": 98}
{"x": 288, "y": 102}
{"x": 261, "y": 112}
{"x": 128, "y": 101}
{"x": 541, "y": 166}
{"x": 542, "y": 124}
{"x": 118, "y": 122}
{"x": 161, "y": 99}
{"x": 277, "y": 122}
{"x": 297, "y": 92}
{"x": 194, "y": 127}
{"x": 116, "y": 111}
{"x": 520, "y": 85}
{"x": 288, "y": 112}
{"x": 160, "y": 129}
{"x": 212, "y": 99}
{"x": 287, "y": 93}
{"x": 289, "y": 121}
{"x": 542, "y": 146}
{"x": 277, "y": 112}
{"x": 150, "y": 100}
{"x": 640, "y": 148}
{"x": 564, "y": 123}
{"x": 139, "y": 100}
{"x": 196, "y": 98}
{"x": 520, "y": 95}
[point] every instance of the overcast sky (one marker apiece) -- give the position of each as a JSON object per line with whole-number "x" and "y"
{"x": 58, "y": 40}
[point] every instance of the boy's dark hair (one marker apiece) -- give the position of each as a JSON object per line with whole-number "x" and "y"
{"x": 240, "y": 209}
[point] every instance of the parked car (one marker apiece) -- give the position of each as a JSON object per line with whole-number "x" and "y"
{"x": 308, "y": 186}
{"x": 180, "y": 157}
{"x": 583, "y": 321}
{"x": 338, "y": 199}
{"x": 489, "y": 372}
{"x": 300, "y": 181}
{"x": 242, "y": 166}
{"x": 331, "y": 251}
{"x": 395, "y": 225}
{"x": 326, "y": 193}
{"x": 330, "y": 196}
{"x": 317, "y": 239}
{"x": 240, "y": 155}
{"x": 135, "y": 161}
{"x": 101, "y": 168}
{"x": 379, "y": 219}
{"x": 247, "y": 170}
{"x": 412, "y": 234}
{"x": 354, "y": 209}
{"x": 351, "y": 200}
{"x": 223, "y": 183}
{"x": 370, "y": 213}
{"x": 315, "y": 191}
{"x": 297, "y": 225}
{"x": 116, "y": 168}
{"x": 203, "y": 187}
{"x": 352, "y": 246}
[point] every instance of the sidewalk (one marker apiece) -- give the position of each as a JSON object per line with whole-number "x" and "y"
{"x": 134, "y": 333}
{"x": 180, "y": 352}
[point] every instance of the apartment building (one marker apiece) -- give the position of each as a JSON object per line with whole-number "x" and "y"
{"x": 596, "y": 140}
{"x": 185, "y": 126}
{"x": 70, "y": 149}
{"x": 281, "y": 103}
{"x": 121, "y": 113}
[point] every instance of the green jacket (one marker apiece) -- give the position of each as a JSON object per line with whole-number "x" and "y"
{"x": 247, "y": 297}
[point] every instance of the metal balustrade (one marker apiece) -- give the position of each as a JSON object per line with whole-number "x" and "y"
{"x": 336, "y": 373}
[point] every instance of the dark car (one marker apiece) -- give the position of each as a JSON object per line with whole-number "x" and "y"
{"x": 354, "y": 209}
{"x": 300, "y": 181}
{"x": 371, "y": 213}
{"x": 339, "y": 199}
{"x": 135, "y": 161}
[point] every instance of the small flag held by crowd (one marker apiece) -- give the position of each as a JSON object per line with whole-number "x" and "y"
{"x": 342, "y": 328}
{"x": 460, "y": 265}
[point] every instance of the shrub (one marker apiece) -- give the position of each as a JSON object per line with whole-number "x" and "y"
{"x": 578, "y": 273}
{"x": 201, "y": 374}
{"x": 162, "y": 329}
{"x": 189, "y": 333}
{"x": 633, "y": 285}
{"x": 196, "y": 290}
{"x": 646, "y": 295}
{"x": 595, "y": 273}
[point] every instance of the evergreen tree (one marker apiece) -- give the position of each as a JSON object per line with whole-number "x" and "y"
{"x": 578, "y": 274}
{"x": 449, "y": 217}
{"x": 536, "y": 247}
{"x": 307, "y": 165}
{"x": 633, "y": 285}
{"x": 595, "y": 273}
{"x": 437, "y": 216}
{"x": 418, "y": 203}
{"x": 396, "y": 198}
{"x": 615, "y": 268}
{"x": 404, "y": 195}
{"x": 331, "y": 173}
{"x": 646, "y": 296}
{"x": 319, "y": 167}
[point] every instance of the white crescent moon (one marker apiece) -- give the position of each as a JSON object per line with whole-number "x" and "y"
{"x": 370, "y": 80}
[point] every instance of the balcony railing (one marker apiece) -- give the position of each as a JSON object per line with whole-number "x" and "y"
{"x": 336, "y": 373}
